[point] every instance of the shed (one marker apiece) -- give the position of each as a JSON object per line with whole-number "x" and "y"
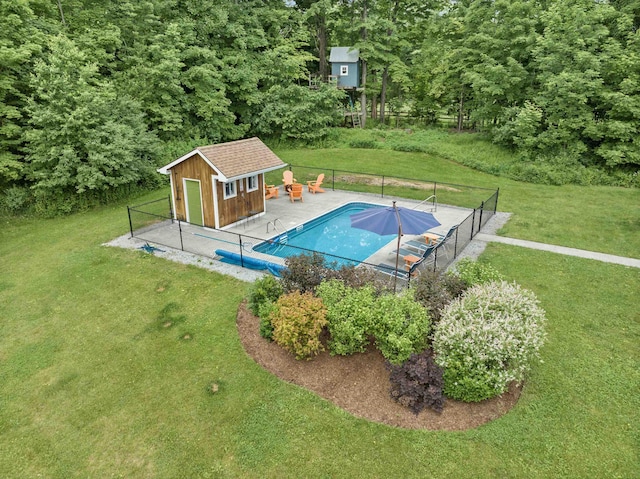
{"x": 221, "y": 185}
{"x": 345, "y": 66}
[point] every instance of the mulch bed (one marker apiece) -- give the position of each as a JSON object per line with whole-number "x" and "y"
{"x": 360, "y": 385}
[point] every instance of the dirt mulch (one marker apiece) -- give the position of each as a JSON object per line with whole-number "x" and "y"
{"x": 360, "y": 385}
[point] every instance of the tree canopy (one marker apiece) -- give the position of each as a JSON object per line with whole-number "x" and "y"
{"x": 91, "y": 90}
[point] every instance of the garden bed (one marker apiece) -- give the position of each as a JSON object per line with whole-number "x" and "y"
{"x": 359, "y": 384}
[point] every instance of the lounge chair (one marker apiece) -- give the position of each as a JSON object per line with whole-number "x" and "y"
{"x": 391, "y": 270}
{"x": 296, "y": 192}
{"x": 270, "y": 191}
{"x": 288, "y": 180}
{"x": 314, "y": 186}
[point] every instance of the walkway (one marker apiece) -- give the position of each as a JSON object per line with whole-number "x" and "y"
{"x": 607, "y": 258}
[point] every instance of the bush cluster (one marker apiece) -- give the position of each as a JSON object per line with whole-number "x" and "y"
{"x": 305, "y": 272}
{"x": 483, "y": 332}
{"x": 417, "y": 383}
{"x": 488, "y": 338}
{"x": 297, "y": 320}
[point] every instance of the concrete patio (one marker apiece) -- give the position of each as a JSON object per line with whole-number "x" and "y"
{"x": 282, "y": 215}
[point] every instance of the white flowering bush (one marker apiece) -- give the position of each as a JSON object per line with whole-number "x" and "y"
{"x": 488, "y": 338}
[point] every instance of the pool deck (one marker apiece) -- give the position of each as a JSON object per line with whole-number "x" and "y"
{"x": 286, "y": 216}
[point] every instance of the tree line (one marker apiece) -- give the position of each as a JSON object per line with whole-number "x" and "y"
{"x": 93, "y": 93}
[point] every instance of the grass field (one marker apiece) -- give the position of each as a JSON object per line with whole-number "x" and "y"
{"x": 107, "y": 357}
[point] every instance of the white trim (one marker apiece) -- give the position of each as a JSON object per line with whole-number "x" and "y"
{"x": 235, "y": 190}
{"x": 173, "y": 197}
{"x": 216, "y": 219}
{"x": 186, "y": 198}
{"x": 165, "y": 169}
{"x": 344, "y": 70}
{"x": 249, "y": 189}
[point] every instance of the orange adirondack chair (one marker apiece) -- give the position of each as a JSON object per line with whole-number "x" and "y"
{"x": 288, "y": 180}
{"x": 314, "y": 186}
{"x": 296, "y": 192}
{"x": 270, "y": 191}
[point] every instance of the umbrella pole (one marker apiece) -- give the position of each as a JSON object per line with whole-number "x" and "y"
{"x": 395, "y": 277}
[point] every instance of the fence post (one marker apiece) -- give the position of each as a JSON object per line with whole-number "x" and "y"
{"x": 382, "y": 187}
{"x": 434, "y": 190}
{"x": 455, "y": 246}
{"x": 241, "y": 257}
{"x": 333, "y": 180}
{"x": 170, "y": 209}
{"x": 473, "y": 223}
{"x": 130, "y": 224}
{"x": 495, "y": 204}
{"x": 481, "y": 211}
{"x": 180, "y": 230}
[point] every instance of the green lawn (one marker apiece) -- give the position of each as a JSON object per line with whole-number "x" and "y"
{"x": 603, "y": 219}
{"x": 106, "y": 357}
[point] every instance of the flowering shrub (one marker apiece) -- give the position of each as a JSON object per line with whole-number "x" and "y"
{"x": 349, "y": 315}
{"x": 417, "y": 383}
{"x": 297, "y": 320}
{"x": 487, "y": 338}
{"x": 401, "y": 326}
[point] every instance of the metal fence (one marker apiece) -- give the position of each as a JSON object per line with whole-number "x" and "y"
{"x": 154, "y": 222}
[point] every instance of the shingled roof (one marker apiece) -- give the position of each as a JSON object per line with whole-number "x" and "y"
{"x": 344, "y": 55}
{"x": 235, "y": 159}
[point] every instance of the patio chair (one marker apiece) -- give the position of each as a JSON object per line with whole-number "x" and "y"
{"x": 270, "y": 191}
{"x": 296, "y": 192}
{"x": 314, "y": 186}
{"x": 385, "y": 268}
{"x": 288, "y": 180}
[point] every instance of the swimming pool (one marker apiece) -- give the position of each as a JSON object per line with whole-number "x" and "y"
{"x": 331, "y": 234}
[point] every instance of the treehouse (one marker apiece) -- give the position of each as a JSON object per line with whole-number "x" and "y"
{"x": 345, "y": 67}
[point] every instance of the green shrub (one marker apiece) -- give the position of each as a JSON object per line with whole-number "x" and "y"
{"x": 304, "y": 272}
{"x": 366, "y": 144}
{"x": 263, "y": 290}
{"x": 401, "y": 326}
{"x": 349, "y": 315}
{"x": 475, "y": 272}
{"x": 488, "y": 338}
{"x": 266, "y": 328}
{"x": 408, "y": 147}
{"x": 417, "y": 383}
{"x": 297, "y": 320}
{"x": 434, "y": 291}
{"x": 16, "y": 199}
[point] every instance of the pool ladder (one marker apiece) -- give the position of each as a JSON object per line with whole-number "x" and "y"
{"x": 283, "y": 239}
{"x": 274, "y": 223}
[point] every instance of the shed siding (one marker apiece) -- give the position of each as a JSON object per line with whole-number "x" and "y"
{"x": 229, "y": 210}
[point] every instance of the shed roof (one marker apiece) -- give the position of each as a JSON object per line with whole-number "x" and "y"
{"x": 344, "y": 55}
{"x": 234, "y": 159}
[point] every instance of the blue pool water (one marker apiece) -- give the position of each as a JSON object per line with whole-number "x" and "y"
{"x": 331, "y": 234}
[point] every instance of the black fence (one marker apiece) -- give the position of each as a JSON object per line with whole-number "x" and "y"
{"x": 154, "y": 222}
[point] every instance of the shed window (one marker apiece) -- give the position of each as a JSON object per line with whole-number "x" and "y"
{"x": 230, "y": 190}
{"x": 252, "y": 183}
{"x": 344, "y": 70}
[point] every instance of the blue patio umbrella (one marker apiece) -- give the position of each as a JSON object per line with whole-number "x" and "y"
{"x": 394, "y": 219}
